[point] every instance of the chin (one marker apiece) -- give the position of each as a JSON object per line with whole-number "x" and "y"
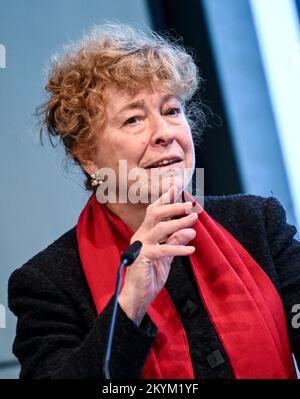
{"x": 149, "y": 187}
{"x": 164, "y": 187}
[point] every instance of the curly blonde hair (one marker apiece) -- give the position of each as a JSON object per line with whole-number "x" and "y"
{"x": 112, "y": 54}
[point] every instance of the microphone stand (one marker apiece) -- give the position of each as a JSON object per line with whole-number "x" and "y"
{"x": 127, "y": 259}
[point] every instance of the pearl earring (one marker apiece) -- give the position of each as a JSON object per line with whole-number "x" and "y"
{"x": 95, "y": 180}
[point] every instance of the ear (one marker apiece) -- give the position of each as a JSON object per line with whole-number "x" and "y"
{"x": 88, "y": 165}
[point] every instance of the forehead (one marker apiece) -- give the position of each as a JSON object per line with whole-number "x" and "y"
{"x": 116, "y": 99}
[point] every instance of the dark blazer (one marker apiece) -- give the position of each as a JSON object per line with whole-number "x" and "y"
{"x": 60, "y": 335}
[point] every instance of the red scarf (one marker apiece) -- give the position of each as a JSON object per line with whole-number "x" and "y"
{"x": 240, "y": 299}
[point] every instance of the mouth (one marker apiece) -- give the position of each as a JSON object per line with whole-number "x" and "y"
{"x": 163, "y": 163}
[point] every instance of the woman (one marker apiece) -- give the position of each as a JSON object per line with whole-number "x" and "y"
{"x": 211, "y": 293}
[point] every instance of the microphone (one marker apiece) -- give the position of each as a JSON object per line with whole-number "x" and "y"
{"x": 127, "y": 258}
{"x": 132, "y": 252}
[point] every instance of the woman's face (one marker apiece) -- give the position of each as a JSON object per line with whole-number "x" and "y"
{"x": 144, "y": 131}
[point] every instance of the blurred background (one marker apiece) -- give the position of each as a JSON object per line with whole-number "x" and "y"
{"x": 248, "y": 52}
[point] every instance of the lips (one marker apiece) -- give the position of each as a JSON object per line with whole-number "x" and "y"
{"x": 163, "y": 162}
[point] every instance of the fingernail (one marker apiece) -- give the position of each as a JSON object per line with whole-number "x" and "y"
{"x": 193, "y": 214}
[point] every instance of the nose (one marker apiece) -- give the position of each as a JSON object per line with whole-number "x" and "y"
{"x": 163, "y": 134}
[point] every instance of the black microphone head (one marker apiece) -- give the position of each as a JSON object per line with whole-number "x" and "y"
{"x": 132, "y": 252}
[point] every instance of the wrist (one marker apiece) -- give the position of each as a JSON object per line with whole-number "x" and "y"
{"x": 132, "y": 308}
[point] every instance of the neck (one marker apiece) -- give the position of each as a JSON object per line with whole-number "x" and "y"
{"x": 131, "y": 214}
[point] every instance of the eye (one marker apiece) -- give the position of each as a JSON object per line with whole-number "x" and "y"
{"x": 133, "y": 120}
{"x": 174, "y": 111}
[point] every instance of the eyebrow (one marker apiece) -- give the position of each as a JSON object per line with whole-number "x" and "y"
{"x": 140, "y": 104}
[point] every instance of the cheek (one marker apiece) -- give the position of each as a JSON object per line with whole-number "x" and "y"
{"x": 187, "y": 140}
{"x": 131, "y": 150}
{"x": 189, "y": 149}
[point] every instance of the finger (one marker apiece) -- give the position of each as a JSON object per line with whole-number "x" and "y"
{"x": 182, "y": 237}
{"x": 155, "y": 215}
{"x": 168, "y": 197}
{"x": 160, "y": 251}
{"x": 166, "y": 229}
{"x": 197, "y": 206}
